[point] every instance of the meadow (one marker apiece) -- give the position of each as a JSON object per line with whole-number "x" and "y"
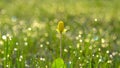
{"x": 28, "y": 36}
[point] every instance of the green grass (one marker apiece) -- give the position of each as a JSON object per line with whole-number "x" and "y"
{"x": 28, "y": 37}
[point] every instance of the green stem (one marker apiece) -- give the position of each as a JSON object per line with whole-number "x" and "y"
{"x": 60, "y": 45}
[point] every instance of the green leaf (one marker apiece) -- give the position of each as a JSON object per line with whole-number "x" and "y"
{"x": 58, "y": 63}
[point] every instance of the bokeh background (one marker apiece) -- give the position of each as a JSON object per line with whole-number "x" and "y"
{"x": 28, "y": 37}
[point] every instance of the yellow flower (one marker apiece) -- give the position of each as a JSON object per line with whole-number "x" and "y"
{"x": 60, "y": 27}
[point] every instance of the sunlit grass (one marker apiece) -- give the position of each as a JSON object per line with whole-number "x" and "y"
{"x": 28, "y": 37}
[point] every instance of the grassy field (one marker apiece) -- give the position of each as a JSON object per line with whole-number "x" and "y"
{"x": 28, "y": 36}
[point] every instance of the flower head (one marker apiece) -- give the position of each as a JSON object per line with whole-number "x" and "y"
{"x": 60, "y": 27}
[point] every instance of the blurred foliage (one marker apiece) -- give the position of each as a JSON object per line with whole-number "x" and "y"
{"x": 58, "y": 63}
{"x": 28, "y": 36}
